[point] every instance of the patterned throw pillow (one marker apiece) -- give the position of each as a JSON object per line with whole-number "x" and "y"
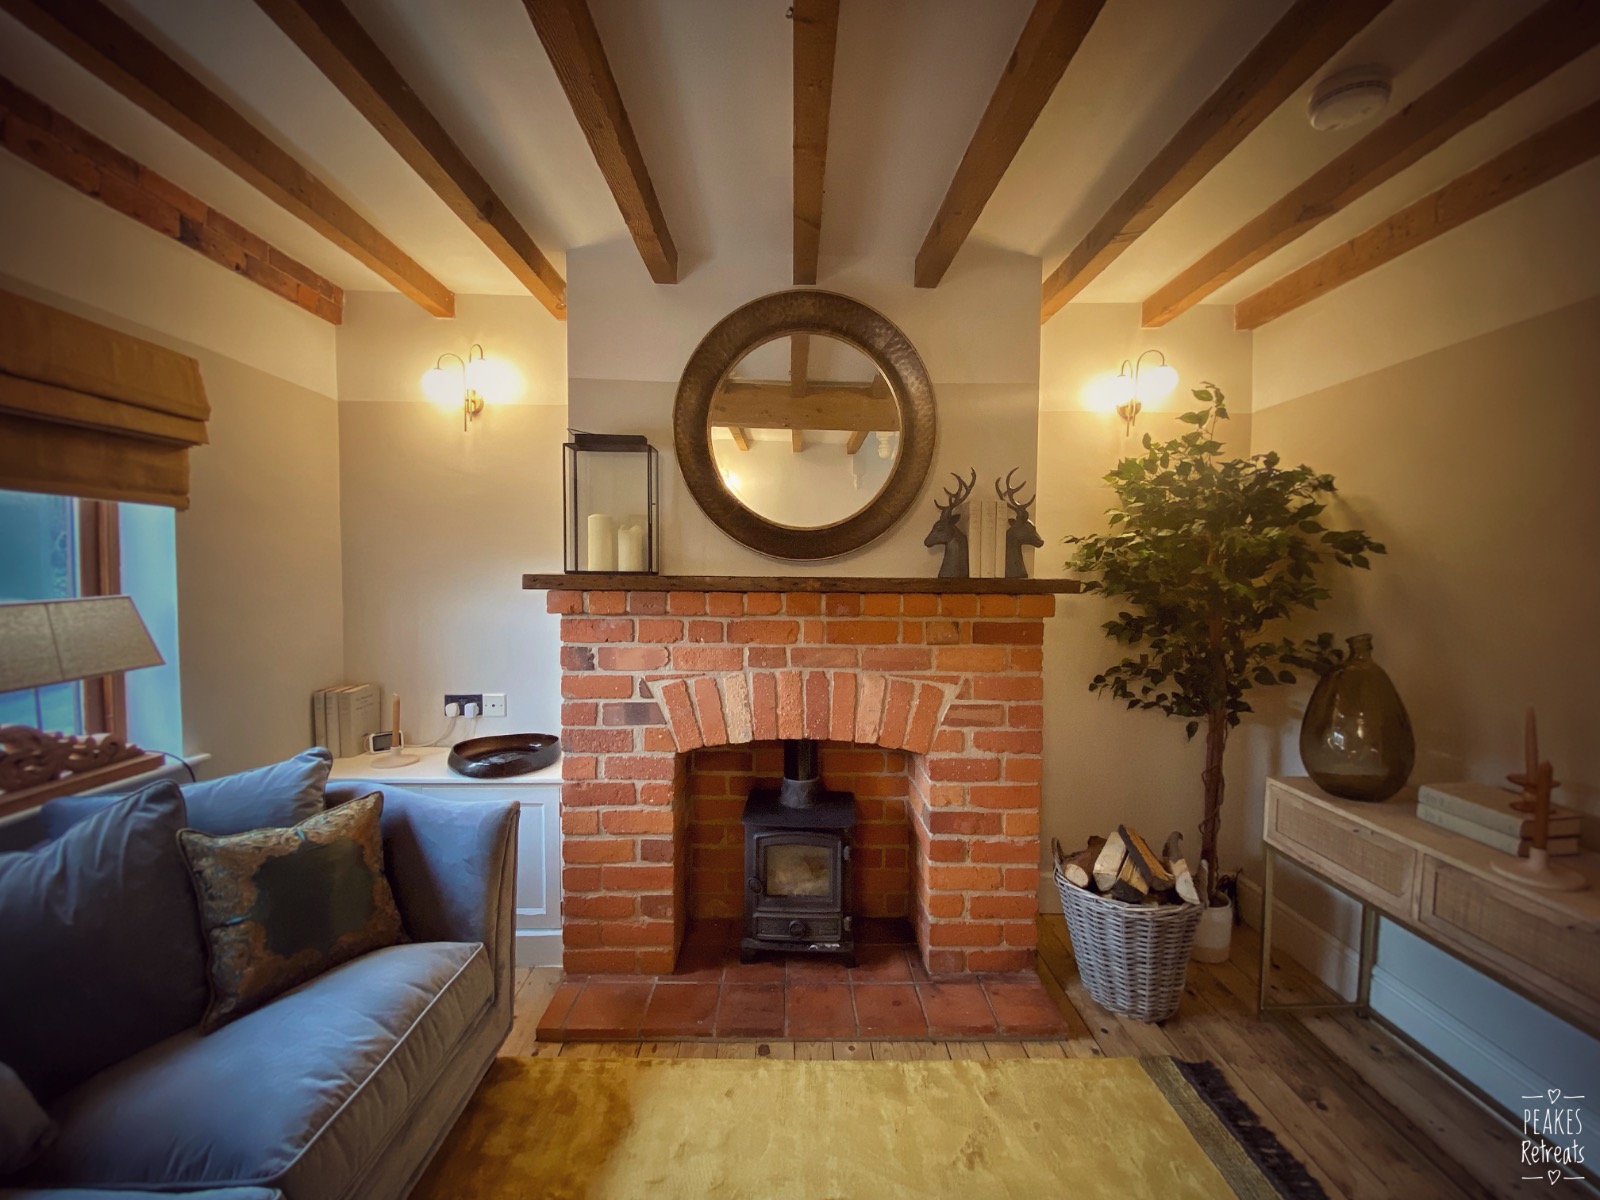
{"x": 281, "y": 906}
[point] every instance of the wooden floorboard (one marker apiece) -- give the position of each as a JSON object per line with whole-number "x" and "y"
{"x": 1367, "y": 1117}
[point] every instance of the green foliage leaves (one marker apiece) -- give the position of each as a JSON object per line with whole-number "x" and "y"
{"x": 1207, "y": 552}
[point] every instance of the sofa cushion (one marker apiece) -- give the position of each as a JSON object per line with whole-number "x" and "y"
{"x": 100, "y": 945}
{"x": 280, "y": 906}
{"x": 302, "y": 1094}
{"x": 277, "y": 796}
{"x": 24, "y": 1126}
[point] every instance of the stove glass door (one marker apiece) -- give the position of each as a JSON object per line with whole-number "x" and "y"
{"x": 794, "y": 869}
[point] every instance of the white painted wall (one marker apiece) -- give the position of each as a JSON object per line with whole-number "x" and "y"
{"x": 1451, "y": 393}
{"x": 1104, "y": 764}
{"x": 257, "y": 552}
{"x": 439, "y": 525}
{"x": 977, "y": 333}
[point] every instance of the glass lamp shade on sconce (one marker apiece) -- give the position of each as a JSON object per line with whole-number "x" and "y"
{"x": 465, "y": 384}
{"x": 1137, "y": 385}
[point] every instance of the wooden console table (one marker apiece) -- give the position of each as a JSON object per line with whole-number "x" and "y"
{"x": 1441, "y": 887}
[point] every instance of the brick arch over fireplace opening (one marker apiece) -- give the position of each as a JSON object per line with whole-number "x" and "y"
{"x": 952, "y": 680}
{"x": 869, "y": 708}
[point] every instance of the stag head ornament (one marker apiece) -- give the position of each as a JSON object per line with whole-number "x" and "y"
{"x": 1020, "y": 532}
{"x": 947, "y": 531}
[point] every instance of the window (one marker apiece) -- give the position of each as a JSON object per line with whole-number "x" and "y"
{"x": 57, "y": 547}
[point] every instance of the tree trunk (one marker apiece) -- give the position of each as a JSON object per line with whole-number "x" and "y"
{"x": 1216, "y": 743}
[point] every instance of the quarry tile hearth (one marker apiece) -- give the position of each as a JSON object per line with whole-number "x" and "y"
{"x": 928, "y": 707}
{"x": 888, "y": 996}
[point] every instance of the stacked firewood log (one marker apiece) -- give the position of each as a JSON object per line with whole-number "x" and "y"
{"x": 1125, "y": 867}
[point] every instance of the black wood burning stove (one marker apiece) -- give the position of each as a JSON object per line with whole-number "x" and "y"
{"x": 797, "y": 862}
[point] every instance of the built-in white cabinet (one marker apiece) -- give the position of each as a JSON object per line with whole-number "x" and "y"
{"x": 538, "y": 834}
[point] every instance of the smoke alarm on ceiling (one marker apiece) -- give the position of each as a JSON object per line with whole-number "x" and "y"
{"x": 1348, "y": 98}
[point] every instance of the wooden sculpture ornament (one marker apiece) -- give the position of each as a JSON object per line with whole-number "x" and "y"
{"x": 1537, "y": 780}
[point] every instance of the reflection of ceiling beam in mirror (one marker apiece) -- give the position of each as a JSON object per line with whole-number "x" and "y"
{"x": 1053, "y": 32}
{"x": 797, "y": 441}
{"x": 770, "y": 406}
{"x": 816, "y": 31}
{"x": 799, "y": 362}
{"x": 857, "y": 439}
{"x": 741, "y": 437}
{"x": 879, "y": 388}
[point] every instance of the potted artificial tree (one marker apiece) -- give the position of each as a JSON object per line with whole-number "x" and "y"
{"x": 1207, "y": 552}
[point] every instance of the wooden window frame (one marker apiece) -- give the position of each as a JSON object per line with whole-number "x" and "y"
{"x": 105, "y": 700}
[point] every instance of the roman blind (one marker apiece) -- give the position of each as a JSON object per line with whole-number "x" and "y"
{"x": 88, "y": 411}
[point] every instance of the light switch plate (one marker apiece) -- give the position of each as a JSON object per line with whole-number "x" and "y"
{"x": 494, "y": 704}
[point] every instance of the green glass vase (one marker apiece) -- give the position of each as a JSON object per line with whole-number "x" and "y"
{"x": 1356, "y": 739}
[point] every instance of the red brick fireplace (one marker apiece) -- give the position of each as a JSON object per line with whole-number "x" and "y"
{"x": 929, "y": 705}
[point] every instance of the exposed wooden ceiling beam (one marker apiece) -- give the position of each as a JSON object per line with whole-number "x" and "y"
{"x": 1551, "y": 37}
{"x": 47, "y": 139}
{"x": 771, "y": 406}
{"x": 797, "y": 441}
{"x": 857, "y": 439}
{"x": 1305, "y": 37}
{"x": 1539, "y": 159}
{"x": 741, "y": 437}
{"x": 799, "y": 362}
{"x": 116, "y": 53}
{"x": 1054, "y": 31}
{"x": 816, "y": 32}
{"x": 570, "y": 38}
{"x": 332, "y": 38}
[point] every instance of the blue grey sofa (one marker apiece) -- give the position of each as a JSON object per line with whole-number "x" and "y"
{"x": 341, "y": 1089}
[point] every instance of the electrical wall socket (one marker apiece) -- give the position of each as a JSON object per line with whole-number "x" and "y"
{"x": 464, "y": 699}
{"x": 494, "y": 704}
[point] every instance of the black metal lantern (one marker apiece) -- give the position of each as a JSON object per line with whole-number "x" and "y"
{"x": 609, "y": 503}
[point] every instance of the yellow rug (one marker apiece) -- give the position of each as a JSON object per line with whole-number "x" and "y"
{"x": 1092, "y": 1129}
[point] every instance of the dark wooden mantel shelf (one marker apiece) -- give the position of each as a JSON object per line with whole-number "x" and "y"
{"x": 603, "y": 582}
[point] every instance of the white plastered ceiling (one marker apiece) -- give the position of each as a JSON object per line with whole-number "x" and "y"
{"x": 707, "y": 84}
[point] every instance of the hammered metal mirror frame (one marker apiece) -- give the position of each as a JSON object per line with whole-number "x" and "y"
{"x": 775, "y": 316}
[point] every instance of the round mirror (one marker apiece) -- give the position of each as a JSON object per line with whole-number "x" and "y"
{"x": 804, "y": 431}
{"x": 804, "y": 424}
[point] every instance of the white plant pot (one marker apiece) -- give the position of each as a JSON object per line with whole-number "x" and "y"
{"x": 1215, "y": 935}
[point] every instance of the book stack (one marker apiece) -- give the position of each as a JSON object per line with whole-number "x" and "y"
{"x": 342, "y": 717}
{"x": 987, "y": 522}
{"x": 1485, "y": 814}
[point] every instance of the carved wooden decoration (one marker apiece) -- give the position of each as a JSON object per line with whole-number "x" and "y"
{"x": 36, "y": 766}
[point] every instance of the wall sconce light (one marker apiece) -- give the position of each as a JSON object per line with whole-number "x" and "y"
{"x": 464, "y": 385}
{"x": 1137, "y": 385}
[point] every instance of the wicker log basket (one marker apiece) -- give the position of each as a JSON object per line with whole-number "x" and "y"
{"x": 1133, "y": 959}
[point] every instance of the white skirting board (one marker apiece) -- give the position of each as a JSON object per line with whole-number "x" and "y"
{"x": 1505, "y": 1072}
{"x": 538, "y": 948}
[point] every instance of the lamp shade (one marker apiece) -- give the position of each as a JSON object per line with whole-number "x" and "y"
{"x": 55, "y": 641}
{"x": 1156, "y": 382}
{"x": 443, "y": 386}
